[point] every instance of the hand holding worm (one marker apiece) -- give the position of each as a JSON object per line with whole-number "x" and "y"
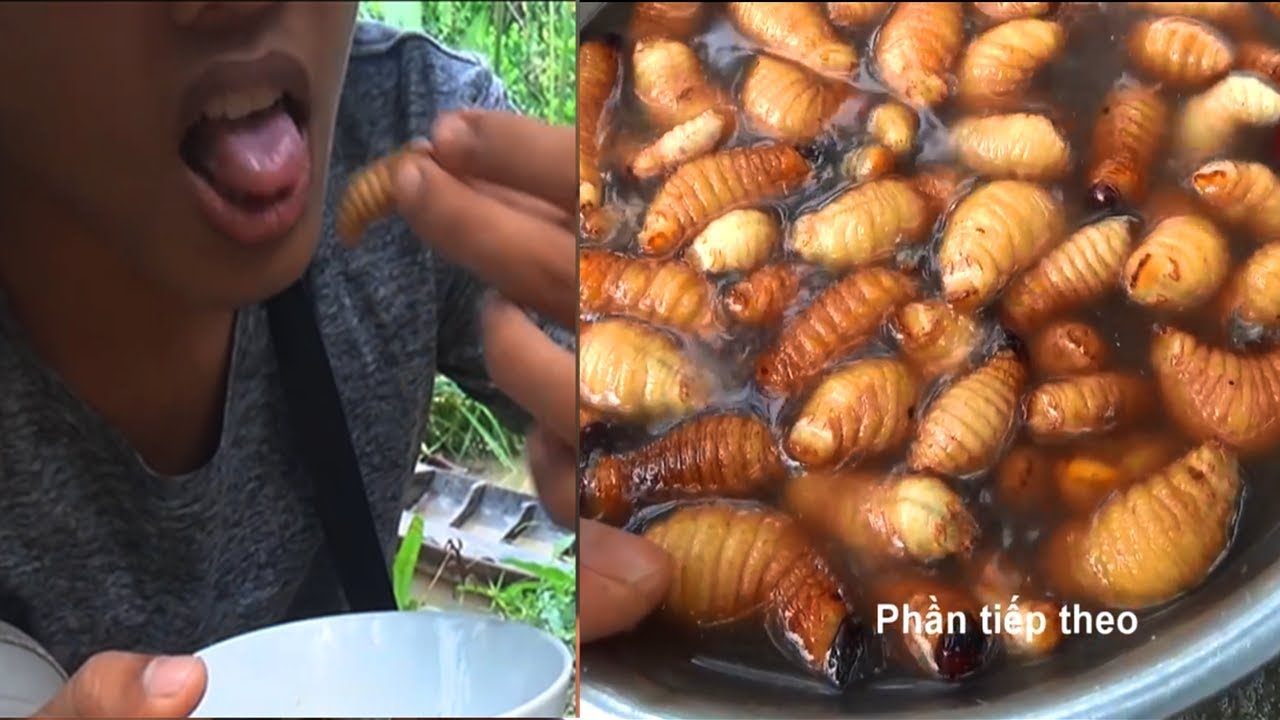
{"x": 510, "y": 223}
{"x": 494, "y": 193}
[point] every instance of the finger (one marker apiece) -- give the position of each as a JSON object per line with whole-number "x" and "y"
{"x": 531, "y": 261}
{"x": 512, "y": 150}
{"x": 622, "y": 578}
{"x": 553, "y": 465}
{"x": 530, "y": 368}
{"x": 116, "y": 684}
{"x": 523, "y": 202}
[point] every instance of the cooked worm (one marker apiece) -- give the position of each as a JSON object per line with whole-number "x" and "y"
{"x": 1126, "y": 137}
{"x": 867, "y": 163}
{"x": 854, "y": 14}
{"x": 665, "y": 19}
{"x": 1084, "y": 405}
{"x": 839, "y": 319}
{"x": 682, "y": 143}
{"x": 733, "y": 561}
{"x": 1067, "y": 347}
{"x": 1253, "y": 295}
{"x": 967, "y": 425}
{"x": 1233, "y": 16}
{"x": 999, "y": 230}
{"x": 863, "y": 225}
{"x": 916, "y": 517}
{"x": 1081, "y": 270}
{"x": 712, "y": 185}
{"x": 597, "y": 76}
{"x": 861, "y": 410}
{"x": 1212, "y": 393}
{"x": 916, "y": 47}
{"x": 894, "y": 126}
{"x": 1006, "y": 11}
{"x": 738, "y": 241}
{"x": 1259, "y": 58}
{"x": 998, "y": 66}
{"x": 1019, "y": 145}
{"x": 939, "y": 185}
{"x": 369, "y": 197}
{"x": 1179, "y": 51}
{"x": 668, "y": 293}
{"x": 1001, "y": 586}
{"x": 762, "y": 297}
{"x": 1156, "y": 539}
{"x": 784, "y": 101}
{"x": 670, "y": 82}
{"x": 798, "y": 31}
{"x": 1178, "y": 266}
{"x": 1024, "y": 483}
{"x": 730, "y": 456}
{"x": 935, "y": 338}
{"x": 1090, "y": 473}
{"x": 1210, "y": 121}
{"x": 951, "y": 650}
{"x": 632, "y": 371}
{"x": 1244, "y": 194}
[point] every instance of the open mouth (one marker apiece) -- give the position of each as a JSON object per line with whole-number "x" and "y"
{"x": 245, "y": 158}
{"x": 246, "y": 148}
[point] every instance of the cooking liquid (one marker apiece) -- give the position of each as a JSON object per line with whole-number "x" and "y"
{"x": 725, "y": 662}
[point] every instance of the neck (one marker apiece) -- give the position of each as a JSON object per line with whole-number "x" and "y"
{"x": 152, "y": 365}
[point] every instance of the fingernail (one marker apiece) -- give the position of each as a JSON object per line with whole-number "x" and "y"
{"x": 620, "y": 556}
{"x": 408, "y": 178}
{"x": 167, "y": 676}
{"x": 420, "y": 144}
{"x": 453, "y": 133}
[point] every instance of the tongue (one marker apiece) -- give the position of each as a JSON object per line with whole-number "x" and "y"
{"x": 259, "y": 156}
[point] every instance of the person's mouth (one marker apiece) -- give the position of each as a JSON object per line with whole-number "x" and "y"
{"x": 245, "y": 144}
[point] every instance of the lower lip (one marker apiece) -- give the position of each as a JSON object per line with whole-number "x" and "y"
{"x": 260, "y": 225}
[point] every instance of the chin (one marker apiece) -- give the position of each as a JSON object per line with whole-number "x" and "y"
{"x": 238, "y": 279}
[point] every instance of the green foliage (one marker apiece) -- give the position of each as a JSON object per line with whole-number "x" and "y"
{"x": 405, "y": 564}
{"x": 549, "y": 601}
{"x": 464, "y": 430}
{"x": 531, "y": 45}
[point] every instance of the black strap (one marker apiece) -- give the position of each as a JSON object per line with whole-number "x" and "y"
{"x": 324, "y": 443}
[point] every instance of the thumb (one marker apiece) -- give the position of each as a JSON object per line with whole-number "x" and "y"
{"x": 116, "y": 684}
{"x": 623, "y": 578}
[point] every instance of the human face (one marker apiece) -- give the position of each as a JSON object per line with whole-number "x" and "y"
{"x": 105, "y": 122}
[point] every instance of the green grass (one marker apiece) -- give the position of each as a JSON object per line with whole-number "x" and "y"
{"x": 530, "y": 45}
{"x": 463, "y": 432}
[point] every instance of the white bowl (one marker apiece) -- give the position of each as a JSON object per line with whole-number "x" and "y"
{"x": 389, "y": 664}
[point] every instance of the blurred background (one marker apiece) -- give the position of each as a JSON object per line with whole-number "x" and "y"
{"x": 473, "y": 534}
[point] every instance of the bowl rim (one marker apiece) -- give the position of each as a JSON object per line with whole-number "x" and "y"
{"x": 1166, "y": 675}
{"x": 557, "y": 686}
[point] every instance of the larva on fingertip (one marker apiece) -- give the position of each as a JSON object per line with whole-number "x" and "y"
{"x": 370, "y": 193}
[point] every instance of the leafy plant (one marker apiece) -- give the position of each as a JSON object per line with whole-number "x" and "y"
{"x": 463, "y": 430}
{"x": 548, "y": 601}
{"x": 530, "y": 45}
{"x": 405, "y": 564}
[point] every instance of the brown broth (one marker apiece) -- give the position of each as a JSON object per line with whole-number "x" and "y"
{"x": 1070, "y": 91}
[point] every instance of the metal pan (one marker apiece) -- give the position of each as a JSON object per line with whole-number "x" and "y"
{"x": 1197, "y": 647}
